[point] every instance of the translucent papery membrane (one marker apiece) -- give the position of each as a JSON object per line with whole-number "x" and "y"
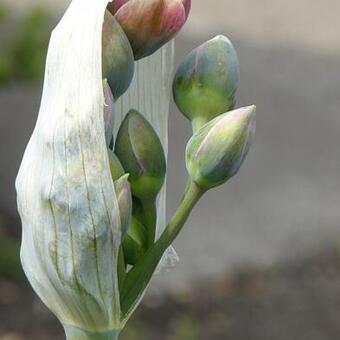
{"x": 150, "y": 93}
{"x": 66, "y": 198}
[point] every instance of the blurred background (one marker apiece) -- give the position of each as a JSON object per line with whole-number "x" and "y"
{"x": 260, "y": 257}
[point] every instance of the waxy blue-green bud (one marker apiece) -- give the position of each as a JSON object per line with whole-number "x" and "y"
{"x": 116, "y": 167}
{"x": 141, "y": 154}
{"x": 206, "y": 81}
{"x": 135, "y": 242}
{"x": 117, "y": 56}
{"x": 216, "y": 151}
{"x": 124, "y": 197}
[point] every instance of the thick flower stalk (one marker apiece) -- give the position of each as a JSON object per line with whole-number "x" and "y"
{"x": 91, "y": 186}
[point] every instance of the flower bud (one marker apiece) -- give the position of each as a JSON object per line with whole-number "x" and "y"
{"x": 116, "y": 168}
{"x": 149, "y": 24}
{"x": 206, "y": 81}
{"x": 123, "y": 192}
{"x": 217, "y": 150}
{"x": 135, "y": 242}
{"x": 117, "y": 57}
{"x": 141, "y": 154}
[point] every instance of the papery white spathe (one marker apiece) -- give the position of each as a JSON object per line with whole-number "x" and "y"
{"x": 66, "y": 197}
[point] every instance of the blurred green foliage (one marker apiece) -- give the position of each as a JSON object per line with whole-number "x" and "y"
{"x": 185, "y": 328}
{"x": 23, "y": 44}
{"x": 3, "y": 12}
{"x": 22, "y": 56}
{"x": 134, "y": 331}
{"x": 181, "y": 327}
{"x": 10, "y": 267}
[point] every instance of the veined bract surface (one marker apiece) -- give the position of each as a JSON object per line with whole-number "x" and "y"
{"x": 66, "y": 196}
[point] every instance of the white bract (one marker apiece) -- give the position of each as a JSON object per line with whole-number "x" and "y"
{"x": 66, "y": 196}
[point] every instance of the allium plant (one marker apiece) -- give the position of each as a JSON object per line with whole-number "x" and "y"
{"x": 91, "y": 186}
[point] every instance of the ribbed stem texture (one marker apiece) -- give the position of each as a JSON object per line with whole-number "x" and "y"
{"x": 75, "y": 333}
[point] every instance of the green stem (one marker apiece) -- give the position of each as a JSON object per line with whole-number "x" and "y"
{"x": 198, "y": 122}
{"x": 150, "y": 219}
{"x": 121, "y": 268}
{"x": 75, "y": 333}
{"x": 139, "y": 276}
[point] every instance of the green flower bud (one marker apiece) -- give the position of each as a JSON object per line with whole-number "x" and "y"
{"x": 135, "y": 242}
{"x": 216, "y": 151}
{"x": 116, "y": 167}
{"x": 141, "y": 153}
{"x": 117, "y": 57}
{"x": 206, "y": 81}
{"x": 123, "y": 192}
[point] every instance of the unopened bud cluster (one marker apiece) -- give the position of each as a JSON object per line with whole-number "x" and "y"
{"x": 204, "y": 90}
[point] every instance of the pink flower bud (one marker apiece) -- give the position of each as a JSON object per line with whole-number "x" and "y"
{"x": 149, "y": 24}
